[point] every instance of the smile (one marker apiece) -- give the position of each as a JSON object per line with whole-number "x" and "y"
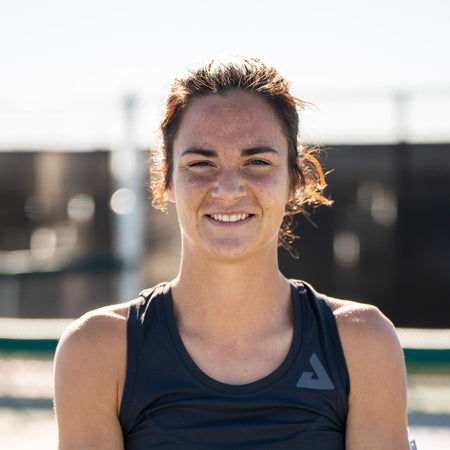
{"x": 231, "y": 218}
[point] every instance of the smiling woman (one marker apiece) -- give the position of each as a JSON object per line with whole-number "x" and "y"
{"x": 229, "y": 158}
{"x": 231, "y": 354}
{"x": 306, "y": 176}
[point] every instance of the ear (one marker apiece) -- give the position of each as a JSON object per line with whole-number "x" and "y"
{"x": 296, "y": 179}
{"x": 168, "y": 191}
{"x": 170, "y": 195}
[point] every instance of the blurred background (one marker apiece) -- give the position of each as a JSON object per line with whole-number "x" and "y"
{"x": 82, "y": 85}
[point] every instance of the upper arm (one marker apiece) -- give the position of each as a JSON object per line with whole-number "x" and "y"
{"x": 90, "y": 362}
{"x": 377, "y": 416}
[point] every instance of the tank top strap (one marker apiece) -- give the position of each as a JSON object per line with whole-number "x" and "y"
{"x": 321, "y": 346}
{"x": 144, "y": 313}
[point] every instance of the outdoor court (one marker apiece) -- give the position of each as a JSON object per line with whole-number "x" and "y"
{"x": 27, "y": 420}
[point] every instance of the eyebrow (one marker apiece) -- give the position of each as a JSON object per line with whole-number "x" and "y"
{"x": 212, "y": 153}
{"x": 199, "y": 151}
{"x": 258, "y": 150}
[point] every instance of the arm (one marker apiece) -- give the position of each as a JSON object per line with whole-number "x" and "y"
{"x": 377, "y": 417}
{"x": 90, "y": 365}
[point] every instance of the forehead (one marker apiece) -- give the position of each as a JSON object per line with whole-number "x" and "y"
{"x": 235, "y": 118}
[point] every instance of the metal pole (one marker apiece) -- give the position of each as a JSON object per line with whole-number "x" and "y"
{"x": 401, "y": 100}
{"x": 127, "y": 205}
{"x": 404, "y": 227}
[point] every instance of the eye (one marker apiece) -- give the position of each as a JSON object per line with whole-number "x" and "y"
{"x": 258, "y": 162}
{"x": 200, "y": 164}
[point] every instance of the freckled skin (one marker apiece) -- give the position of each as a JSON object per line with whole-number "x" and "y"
{"x": 232, "y": 306}
{"x": 230, "y": 181}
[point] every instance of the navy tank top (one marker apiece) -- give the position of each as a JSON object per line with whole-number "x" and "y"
{"x": 168, "y": 402}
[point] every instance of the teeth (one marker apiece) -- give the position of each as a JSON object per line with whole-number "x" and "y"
{"x": 233, "y": 218}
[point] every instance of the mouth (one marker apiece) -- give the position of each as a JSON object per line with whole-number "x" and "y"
{"x": 229, "y": 218}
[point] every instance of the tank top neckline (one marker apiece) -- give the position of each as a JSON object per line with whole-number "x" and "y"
{"x": 235, "y": 389}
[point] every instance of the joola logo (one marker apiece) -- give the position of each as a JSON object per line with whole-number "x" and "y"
{"x": 317, "y": 379}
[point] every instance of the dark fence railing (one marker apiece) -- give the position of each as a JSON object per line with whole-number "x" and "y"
{"x": 385, "y": 241}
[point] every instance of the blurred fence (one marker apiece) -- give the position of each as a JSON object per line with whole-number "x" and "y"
{"x": 385, "y": 241}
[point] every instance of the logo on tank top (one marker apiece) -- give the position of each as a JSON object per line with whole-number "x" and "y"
{"x": 318, "y": 379}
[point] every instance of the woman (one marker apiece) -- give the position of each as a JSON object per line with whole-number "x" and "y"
{"x": 231, "y": 354}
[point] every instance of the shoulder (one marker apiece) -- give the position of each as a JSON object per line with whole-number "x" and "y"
{"x": 363, "y": 325}
{"x": 92, "y": 351}
{"x": 356, "y": 321}
{"x": 90, "y": 371}
{"x": 96, "y": 328}
{"x": 371, "y": 346}
{"x": 368, "y": 337}
{"x": 375, "y": 361}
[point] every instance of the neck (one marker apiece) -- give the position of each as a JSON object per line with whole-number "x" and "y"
{"x": 225, "y": 299}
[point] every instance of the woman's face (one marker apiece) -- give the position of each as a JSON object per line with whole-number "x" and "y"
{"x": 230, "y": 179}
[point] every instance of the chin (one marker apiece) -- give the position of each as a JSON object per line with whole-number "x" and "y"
{"x": 234, "y": 250}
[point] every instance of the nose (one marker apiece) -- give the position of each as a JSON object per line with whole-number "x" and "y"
{"x": 229, "y": 186}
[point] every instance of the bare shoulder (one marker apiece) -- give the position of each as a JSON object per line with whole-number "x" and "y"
{"x": 369, "y": 339}
{"x": 374, "y": 357}
{"x": 95, "y": 341}
{"x": 90, "y": 370}
{"x": 101, "y": 332}
{"x": 363, "y": 326}
{"x": 96, "y": 326}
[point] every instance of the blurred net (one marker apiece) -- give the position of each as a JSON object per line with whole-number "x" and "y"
{"x": 26, "y": 382}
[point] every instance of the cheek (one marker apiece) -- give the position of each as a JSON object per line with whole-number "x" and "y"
{"x": 274, "y": 189}
{"x": 188, "y": 187}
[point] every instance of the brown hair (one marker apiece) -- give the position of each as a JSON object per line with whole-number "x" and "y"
{"x": 215, "y": 77}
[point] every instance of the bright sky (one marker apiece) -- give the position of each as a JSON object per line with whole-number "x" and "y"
{"x": 66, "y": 65}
